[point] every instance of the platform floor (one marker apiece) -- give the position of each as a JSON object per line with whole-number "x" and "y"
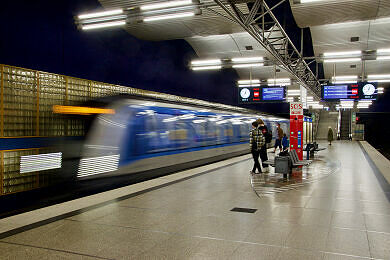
{"x": 345, "y": 215}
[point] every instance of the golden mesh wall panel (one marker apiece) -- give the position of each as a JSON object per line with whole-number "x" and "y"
{"x": 13, "y": 180}
{"x": 20, "y": 102}
{"x": 52, "y": 91}
{"x": 78, "y": 90}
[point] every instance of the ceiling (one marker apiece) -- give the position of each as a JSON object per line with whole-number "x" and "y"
{"x": 332, "y": 24}
{"x": 210, "y": 34}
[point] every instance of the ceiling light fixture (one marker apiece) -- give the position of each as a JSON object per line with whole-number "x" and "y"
{"x": 344, "y": 81}
{"x": 248, "y": 59}
{"x": 248, "y": 65}
{"x": 381, "y": 80}
{"x": 165, "y": 5}
{"x": 309, "y": 1}
{"x": 383, "y": 51}
{"x": 342, "y": 60}
{"x": 206, "y": 62}
{"x": 253, "y": 81}
{"x": 378, "y": 76}
{"x": 345, "y": 77}
{"x": 207, "y": 68}
{"x": 383, "y": 58}
{"x": 344, "y": 53}
{"x": 104, "y": 19}
{"x": 168, "y": 16}
{"x": 103, "y": 25}
{"x": 100, "y": 14}
{"x": 249, "y": 85}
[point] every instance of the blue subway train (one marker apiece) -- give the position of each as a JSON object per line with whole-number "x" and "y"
{"x": 153, "y": 136}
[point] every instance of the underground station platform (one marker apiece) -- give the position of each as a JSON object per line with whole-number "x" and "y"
{"x": 335, "y": 208}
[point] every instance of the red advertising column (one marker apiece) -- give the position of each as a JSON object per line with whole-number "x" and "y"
{"x": 296, "y": 128}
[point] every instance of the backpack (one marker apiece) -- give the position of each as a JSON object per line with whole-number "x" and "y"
{"x": 268, "y": 137}
{"x": 267, "y": 134}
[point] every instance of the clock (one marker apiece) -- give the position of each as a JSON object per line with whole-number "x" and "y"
{"x": 245, "y": 93}
{"x": 368, "y": 89}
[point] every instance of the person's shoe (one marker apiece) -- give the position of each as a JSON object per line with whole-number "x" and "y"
{"x": 251, "y": 172}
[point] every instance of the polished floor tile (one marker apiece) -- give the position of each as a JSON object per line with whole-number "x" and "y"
{"x": 351, "y": 220}
{"x": 350, "y": 242}
{"x": 379, "y": 245}
{"x": 255, "y": 252}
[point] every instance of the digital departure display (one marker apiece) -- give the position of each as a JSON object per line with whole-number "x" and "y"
{"x": 261, "y": 94}
{"x": 274, "y": 94}
{"x": 361, "y": 90}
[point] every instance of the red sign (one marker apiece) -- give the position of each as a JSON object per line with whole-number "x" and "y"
{"x": 296, "y": 128}
{"x": 256, "y": 94}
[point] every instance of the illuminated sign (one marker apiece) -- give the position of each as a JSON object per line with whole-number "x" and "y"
{"x": 74, "y": 110}
{"x": 358, "y": 91}
{"x": 261, "y": 94}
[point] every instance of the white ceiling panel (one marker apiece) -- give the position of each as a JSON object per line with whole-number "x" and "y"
{"x": 337, "y": 11}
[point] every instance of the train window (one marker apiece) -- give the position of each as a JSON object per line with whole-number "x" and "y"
{"x": 211, "y": 130}
{"x": 200, "y": 127}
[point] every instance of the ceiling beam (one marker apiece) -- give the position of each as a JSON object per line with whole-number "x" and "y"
{"x": 285, "y": 53}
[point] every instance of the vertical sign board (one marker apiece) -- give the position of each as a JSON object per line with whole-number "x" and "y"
{"x": 296, "y": 128}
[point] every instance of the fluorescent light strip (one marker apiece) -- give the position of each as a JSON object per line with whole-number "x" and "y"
{"x": 344, "y": 82}
{"x": 104, "y": 19}
{"x": 383, "y": 58}
{"x": 206, "y": 62}
{"x": 380, "y": 80}
{"x": 309, "y": 1}
{"x": 249, "y": 81}
{"x": 248, "y": 65}
{"x": 103, "y": 25}
{"x": 168, "y": 16}
{"x": 249, "y": 85}
{"x": 379, "y": 76}
{"x": 345, "y": 77}
{"x": 344, "y": 53}
{"x": 281, "y": 84}
{"x": 383, "y": 51}
{"x": 294, "y": 90}
{"x": 207, "y": 68}
{"x": 342, "y": 60}
{"x": 247, "y": 59}
{"x": 380, "y": 88}
{"x": 165, "y": 5}
{"x": 278, "y": 80}
{"x": 100, "y": 14}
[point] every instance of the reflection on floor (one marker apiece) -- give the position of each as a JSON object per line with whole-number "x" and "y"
{"x": 271, "y": 182}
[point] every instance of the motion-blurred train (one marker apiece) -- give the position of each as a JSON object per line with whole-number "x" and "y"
{"x": 146, "y": 136}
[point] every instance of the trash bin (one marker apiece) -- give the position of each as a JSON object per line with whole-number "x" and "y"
{"x": 282, "y": 165}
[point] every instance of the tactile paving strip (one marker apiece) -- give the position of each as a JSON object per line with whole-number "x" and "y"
{"x": 270, "y": 183}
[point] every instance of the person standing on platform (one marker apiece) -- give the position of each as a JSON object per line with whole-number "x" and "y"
{"x": 256, "y": 142}
{"x": 285, "y": 142}
{"x": 330, "y": 135}
{"x": 268, "y": 138}
{"x": 278, "y": 141}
